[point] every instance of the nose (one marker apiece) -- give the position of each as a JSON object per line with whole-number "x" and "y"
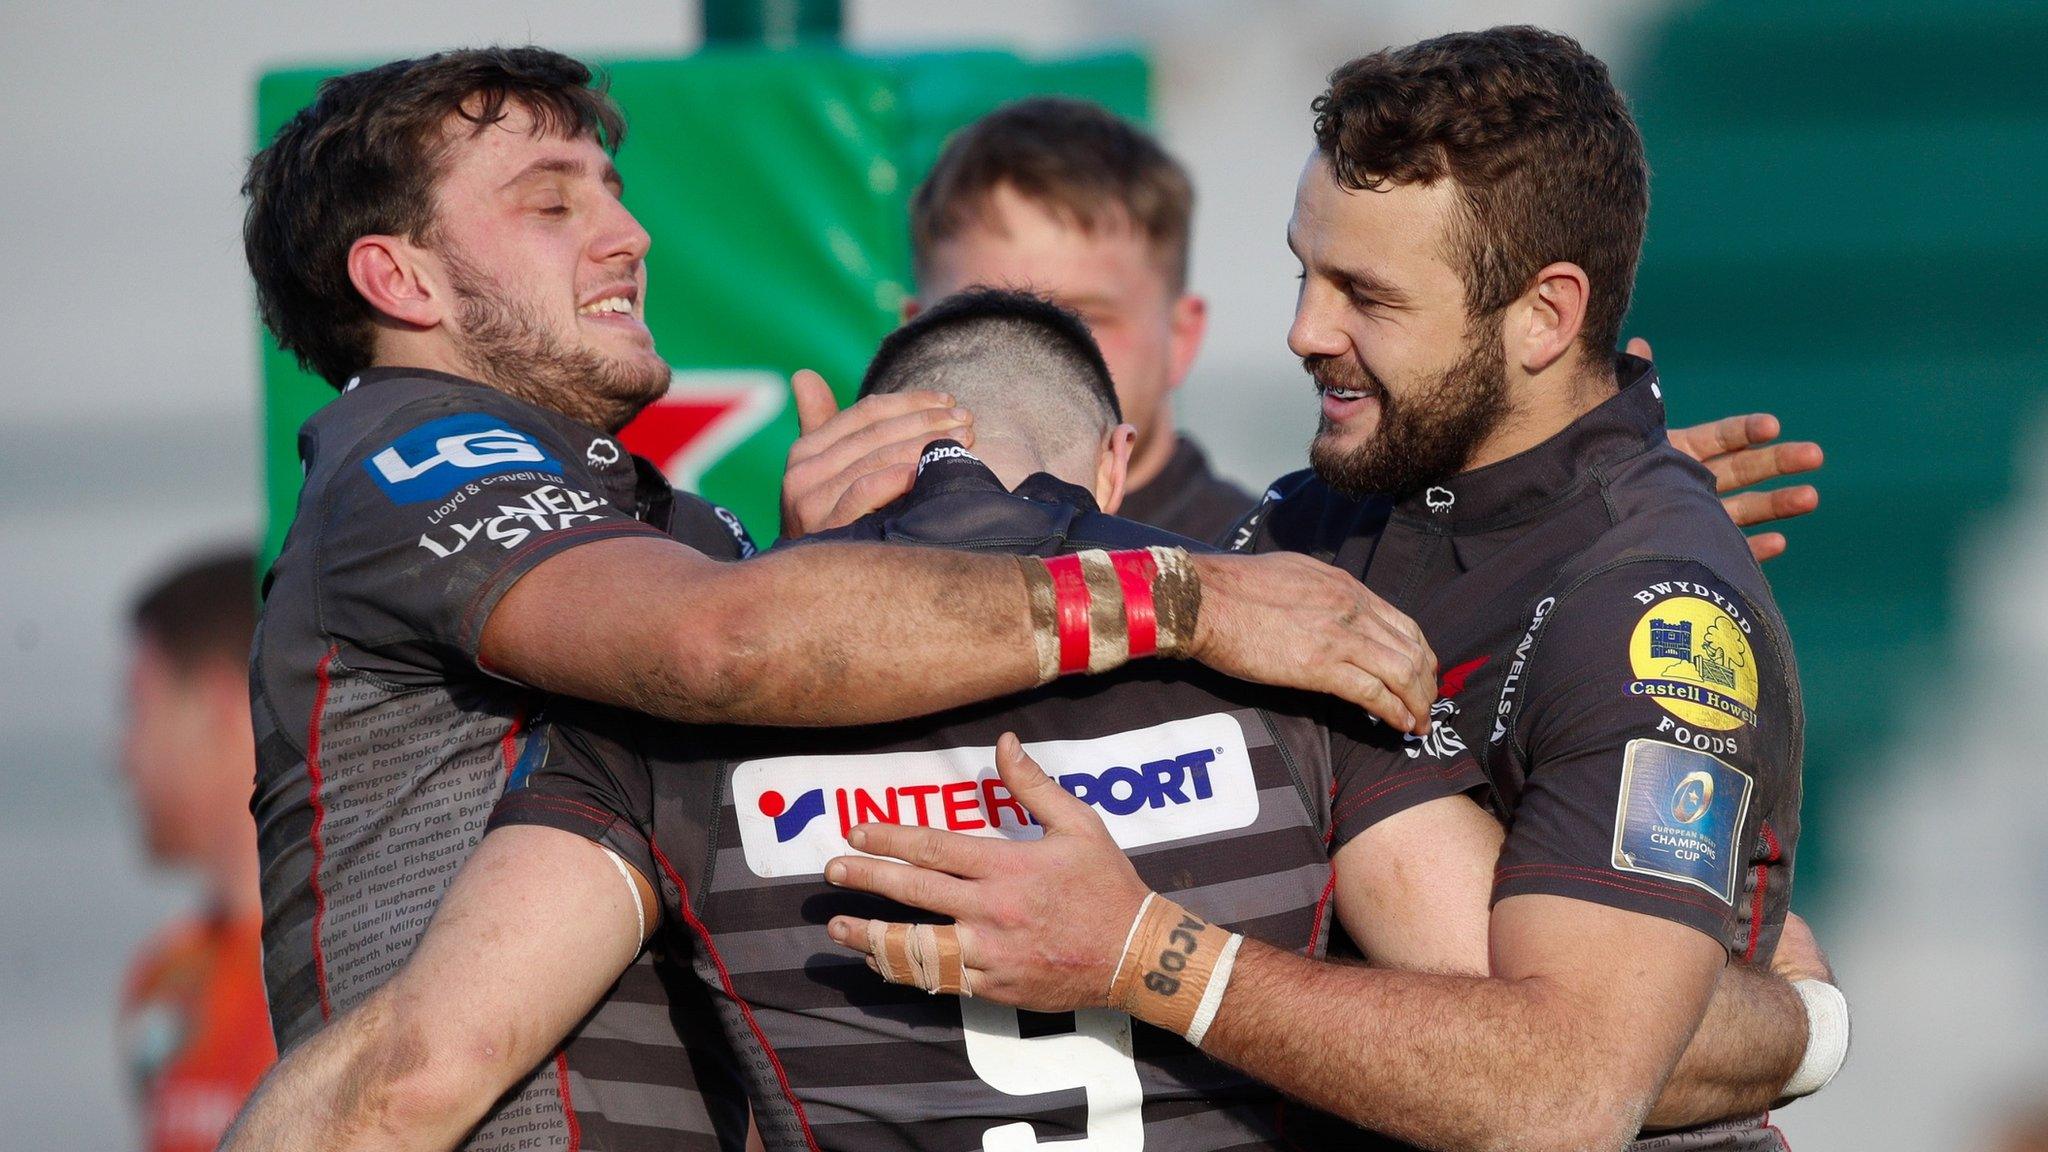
{"x": 620, "y": 237}
{"x": 1315, "y": 331}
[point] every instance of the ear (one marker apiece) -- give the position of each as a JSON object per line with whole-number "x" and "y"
{"x": 1114, "y": 467}
{"x": 1190, "y": 323}
{"x": 909, "y": 311}
{"x": 393, "y": 275}
{"x": 1547, "y": 320}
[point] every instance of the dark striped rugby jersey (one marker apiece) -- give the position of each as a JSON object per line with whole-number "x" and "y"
{"x": 382, "y": 745}
{"x": 1222, "y": 792}
{"x": 1614, "y": 662}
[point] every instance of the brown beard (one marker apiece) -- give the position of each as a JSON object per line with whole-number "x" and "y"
{"x": 1424, "y": 437}
{"x": 508, "y": 348}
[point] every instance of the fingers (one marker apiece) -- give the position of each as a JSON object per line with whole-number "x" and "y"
{"x": 936, "y": 409}
{"x": 1361, "y": 687}
{"x": 878, "y": 434}
{"x": 1051, "y": 805}
{"x": 863, "y": 935}
{"x": 815, "y": 403}
{"x": 1749, "y": 509}
{"x": 932, "y": 848}
{"x": 1741, "y": 469}
{"x": 1413, "y": 684}
{"x": 917, "y": 887}
{"x": 1637, "y": 346}
{"x": 1767, "y": 546}
{"x": 871, "y": 493}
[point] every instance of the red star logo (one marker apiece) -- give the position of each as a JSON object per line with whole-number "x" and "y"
{"x": 1453, "y": 681}
{"x": 704, "y": 416}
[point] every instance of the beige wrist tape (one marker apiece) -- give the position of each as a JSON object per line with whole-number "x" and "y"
{"x": 1091, "y": 611}
{"x": 1174, "y": 969}
{"x": 1176, "y": 600}
{"x": 924, "y": 955}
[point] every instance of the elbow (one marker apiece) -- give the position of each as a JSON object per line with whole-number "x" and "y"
{"x": 403, "y": 1077}
{"x": 1595, "y": 1119}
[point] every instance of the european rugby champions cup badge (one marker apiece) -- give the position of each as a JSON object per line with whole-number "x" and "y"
{"x": 1681, "y": 810}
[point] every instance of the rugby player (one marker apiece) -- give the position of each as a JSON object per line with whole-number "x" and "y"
{"x": 443, "y": 240}
{"x": 1468, "y": 227}
{"x": 1228, "y": 796}
{"x": 1064, "y": 198}
{"x": 194, "y": 1029}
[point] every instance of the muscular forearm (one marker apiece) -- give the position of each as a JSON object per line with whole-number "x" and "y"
{"x": 916, "y": 630}
{"x": 1446, "y": 1062}
{"x": 1747, "y": 1047}
{"x": 841, "y": 634}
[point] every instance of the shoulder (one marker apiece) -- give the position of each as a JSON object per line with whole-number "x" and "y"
{"x": 712, "y": 529}
{"x": 1654, "y": 640}
{"x": 1302, "y": 513}
{"x": 417, "y": 439}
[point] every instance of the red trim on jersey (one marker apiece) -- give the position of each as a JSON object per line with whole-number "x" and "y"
{"x": 508, "y": 748}
{"x": 725, "y": 981}
{"x": 1756, "y": 902}
{"x": 1135, "y": 570}
{"x": 568, "y": 1108}
{"x": 315, "y": 780}
{"x": 1070, "y": 607}
{"x": 1315, "y": 930}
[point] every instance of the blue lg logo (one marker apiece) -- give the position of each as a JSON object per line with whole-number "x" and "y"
{"x": 440, "y": 456}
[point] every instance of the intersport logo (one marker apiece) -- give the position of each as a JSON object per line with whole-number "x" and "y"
{"x": 1169, "y": 782}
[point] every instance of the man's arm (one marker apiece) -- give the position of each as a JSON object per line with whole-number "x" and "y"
{"x": 1564, "y": 1046}
{"x": 422, "y": 1059}
{"x": 836, "y": 634}
{"x": 1412, "y": 891}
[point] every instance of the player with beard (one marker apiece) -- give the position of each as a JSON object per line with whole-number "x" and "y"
{"x": 1064, "y": 198}
{"x": 444, "y": 241}
{"x": 1468, "y": 228}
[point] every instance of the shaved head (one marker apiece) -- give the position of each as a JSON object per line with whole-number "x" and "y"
{"x": 1024, "y": 366}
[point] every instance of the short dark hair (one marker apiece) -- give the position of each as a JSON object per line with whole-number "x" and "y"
{"x": 1017, "y": 361}
{"x": 1546, "y": 159}
{"x": 364, "y": 158}
{"x": 1076, "y": 159}
{"x": 202, "y": 609}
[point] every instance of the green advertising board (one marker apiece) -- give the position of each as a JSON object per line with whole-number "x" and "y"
{"x": 776, "y": 187}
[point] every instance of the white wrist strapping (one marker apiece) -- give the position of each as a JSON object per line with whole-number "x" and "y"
{"x": 633, "y": 887}
{"x": 1212, "y": 996}
{"x": 1827, "y": 1036}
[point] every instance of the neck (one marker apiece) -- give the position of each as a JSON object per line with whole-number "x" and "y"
{"x": 1545, "y": 404}
{"x": 1153, "y": 451}
{"x": 1009, "y": 457}
{"x": 584, "y": 407}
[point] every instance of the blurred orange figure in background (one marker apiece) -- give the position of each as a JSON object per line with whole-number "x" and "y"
{"x": 195, "y": 1028}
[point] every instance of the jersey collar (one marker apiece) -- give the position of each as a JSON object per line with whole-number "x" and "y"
{"x": 1515, "y": 489}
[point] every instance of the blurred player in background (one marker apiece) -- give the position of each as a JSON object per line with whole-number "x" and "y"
{"x": 194, "y": 1025}
{"x": 1065, "y": 198}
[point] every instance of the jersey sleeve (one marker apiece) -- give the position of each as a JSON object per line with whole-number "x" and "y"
{"x": 1658, "y": 731}
{"x": 1379, "y": 773}
{"x": 432, "y": 517}
{"x": 591, "y": 780}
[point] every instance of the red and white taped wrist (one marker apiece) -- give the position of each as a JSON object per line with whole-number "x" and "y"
{"x": 1174, "y": 969}
{"x": 1091, "y": 611}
